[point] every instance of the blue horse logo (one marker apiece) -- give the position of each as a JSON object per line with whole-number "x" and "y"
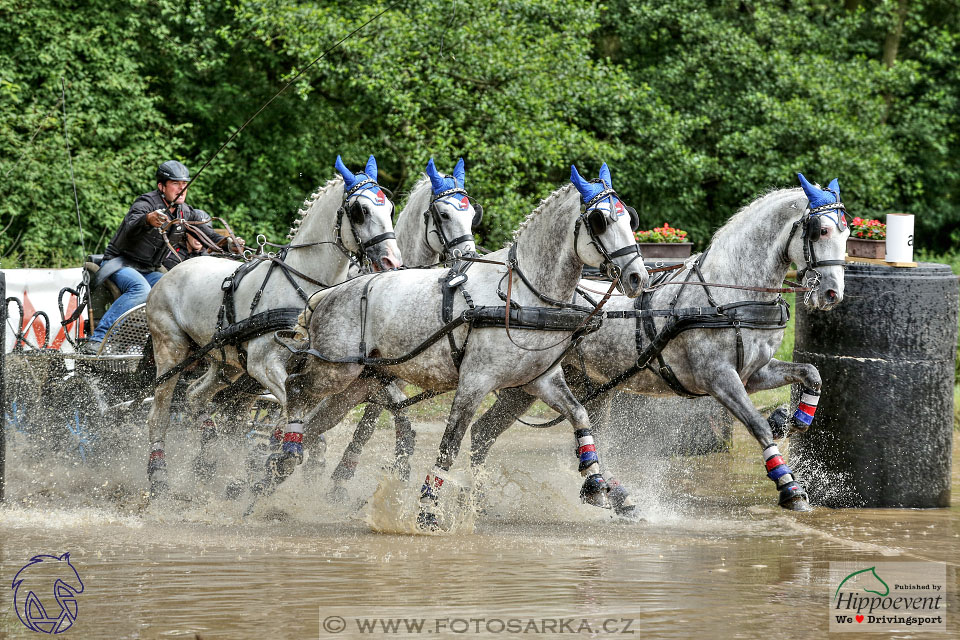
{"x": 40, "y": 583}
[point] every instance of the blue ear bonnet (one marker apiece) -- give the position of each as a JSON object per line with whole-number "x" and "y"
{"x": 440, "y": 182}
{"x": 590, "y": 190}
{"x": 350, "y": 179}
{"x": 818, "y": 197}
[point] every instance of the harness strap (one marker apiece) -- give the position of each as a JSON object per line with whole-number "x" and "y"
{"x": 247, "y": 329}
{"x": 453, "y": 281}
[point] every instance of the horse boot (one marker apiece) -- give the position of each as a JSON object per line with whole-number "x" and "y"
{"x": 807, "y": 401}
{"x": 620, "y": 500}
{"x": 595, "y": 489}
{"x": 203, "y": 466}
{"x": 783, "y": 424}
{"x": 429, "y": 499}
{"x": 157, "y": 471}
{"x": 317, "y": 459}
{"x": 792, "y": 495}
{"x": 281, "y": 466}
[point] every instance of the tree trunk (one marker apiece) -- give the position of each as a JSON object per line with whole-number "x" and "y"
{"x": 892, "y": 43}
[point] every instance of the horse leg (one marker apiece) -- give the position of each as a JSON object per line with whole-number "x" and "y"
{"x": 553, "y": 390}
{"x": 726, "y": 387}
{"x": 351, "y": 456}
{"x": 301, "y": 393}
{"x": 199, "y": 395}
{"x": 510, "y": 405}
{"x": 599, "y": 411}
{"x": 403, "y": 430}
{"x": 170, "y": 348}
{"x": 470, "y": 393}
{"x": 806, "y": 391}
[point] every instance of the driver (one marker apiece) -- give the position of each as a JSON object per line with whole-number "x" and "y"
{"x": 132, "y": 260}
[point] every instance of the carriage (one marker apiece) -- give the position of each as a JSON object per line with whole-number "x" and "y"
{"x": 80, "y": 406}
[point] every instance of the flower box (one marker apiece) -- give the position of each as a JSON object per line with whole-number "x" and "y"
{"x": 860, "y": 248}
{"x": 678, "y": 250}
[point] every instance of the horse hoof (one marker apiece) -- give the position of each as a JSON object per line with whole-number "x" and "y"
{"x": 594, "y": 491}
{"x": 338, "y": 494}
{"x": 159, "y": 488}
{"x": 779, "y": 422}
{"x": 794, "y": 498}
{"x": 235, "y": 489}
{"x": 427, "y": 521}
{"x": 204, "y": 470}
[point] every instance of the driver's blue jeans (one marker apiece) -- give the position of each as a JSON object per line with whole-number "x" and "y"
{"x": 134, "y": 287}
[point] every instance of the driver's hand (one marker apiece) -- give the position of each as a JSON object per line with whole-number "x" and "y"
{"x": 194, "y": 244}
{"x": 157, "y": 218}
{"x": 238, "y": 246}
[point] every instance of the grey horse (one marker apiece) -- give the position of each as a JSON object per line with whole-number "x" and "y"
{"x": 754, "y": 249}
{"x": 359, "y": 325}
{"x": 436, "y": 222}
{"x": 349, "y": 215}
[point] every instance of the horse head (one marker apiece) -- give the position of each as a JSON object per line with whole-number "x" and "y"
{"x": 451, "y": 217}
{"x": 609, "y": 226}
{"x": 369, "y": 213}
{"x": 819, "y": 249}
{"x": 41, "y": 582}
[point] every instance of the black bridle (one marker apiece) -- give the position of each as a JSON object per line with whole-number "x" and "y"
{"x": 594, "y": 219}
{"x": 433, "y": 211}
{"x": 811, "y": 224}
{"x": 355, "y": 215}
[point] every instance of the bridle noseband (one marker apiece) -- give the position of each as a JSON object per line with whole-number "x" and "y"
{"x": 433, "y": 211}
{"x": 590, "y": 218}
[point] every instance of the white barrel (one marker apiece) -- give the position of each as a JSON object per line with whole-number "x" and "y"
{"x": 899, "y": 237}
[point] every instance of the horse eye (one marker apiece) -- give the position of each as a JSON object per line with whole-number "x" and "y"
{"x": 824, "y": 232}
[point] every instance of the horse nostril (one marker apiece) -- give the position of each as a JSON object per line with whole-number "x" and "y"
{"x": 832, "y": 295}
{"x": 635, "y": 281}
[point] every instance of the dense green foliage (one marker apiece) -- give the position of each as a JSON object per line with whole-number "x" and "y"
{"x": 697, "y": 107}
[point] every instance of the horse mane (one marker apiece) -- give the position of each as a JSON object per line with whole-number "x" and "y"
{"x": 550, "y": 201}
{"x": 310, "y": 204}
{"x": 749, "y": 210}
{"x": 420, "y": 191}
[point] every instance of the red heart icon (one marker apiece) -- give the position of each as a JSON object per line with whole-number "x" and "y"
{"x": 859, "y": 618}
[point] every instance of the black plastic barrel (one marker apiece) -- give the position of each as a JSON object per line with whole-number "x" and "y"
{"x": 883, "y": 431}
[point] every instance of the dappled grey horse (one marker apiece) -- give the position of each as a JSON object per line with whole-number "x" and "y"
{"x": 435, "y": 223}
{"x": 348, "y": 216}
{"x": 754, "y": 249}
{"x": 370, "y": 323}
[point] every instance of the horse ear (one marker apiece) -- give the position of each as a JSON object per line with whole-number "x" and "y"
{"x": 835, "y": 187}
{"x": 348, "y": 176}
{"x": 436, "y": 180}
{"x": 371, "y": 168}
{"x": 460, "y": 173}
{"x": 811, "y": 191}
{"x": 605, "y": 176}
{"x": 582, "y": 185}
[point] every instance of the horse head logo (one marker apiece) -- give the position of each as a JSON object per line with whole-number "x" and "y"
{"x": 863, "y": 579}
{"x": 45, "y": 593}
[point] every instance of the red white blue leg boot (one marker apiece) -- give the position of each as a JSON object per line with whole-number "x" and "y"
{"x": 281, "y": 466}
{"x": 792, "y": 495}
{"x": 595, "y": 489}
{"x": 429, "y": 499}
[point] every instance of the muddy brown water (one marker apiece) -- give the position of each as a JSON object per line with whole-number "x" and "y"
{"x": 710, "y": 555}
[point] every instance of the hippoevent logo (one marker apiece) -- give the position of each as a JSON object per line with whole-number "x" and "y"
{"x": 888, "y": 596}
{"x": 45, "y": 593}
